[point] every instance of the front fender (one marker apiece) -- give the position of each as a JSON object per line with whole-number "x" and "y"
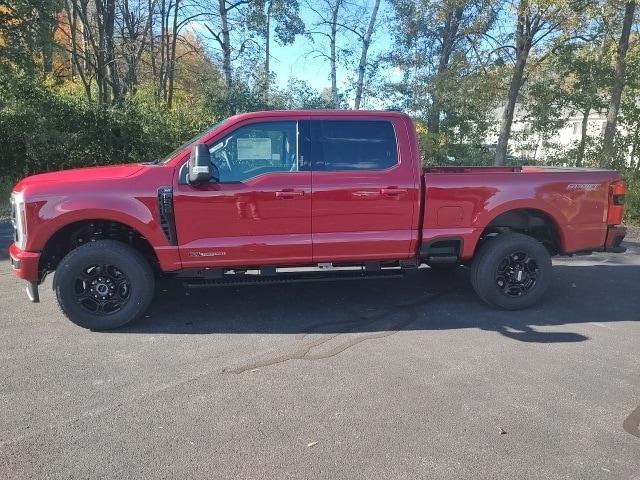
{"x": 47, "y": 217}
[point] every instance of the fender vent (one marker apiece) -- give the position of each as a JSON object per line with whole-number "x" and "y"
{"x": 165, "y": 208}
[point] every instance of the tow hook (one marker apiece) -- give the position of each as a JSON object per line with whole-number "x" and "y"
{"x": 32, "y": 292}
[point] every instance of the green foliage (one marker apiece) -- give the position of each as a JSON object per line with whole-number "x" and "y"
{"x": 285, "y": 15}
{"x": 26, "y": 31}
{"x": 44, "y": 128}
{"x": 5, "y": 191}
{"x": 632, "y": 197}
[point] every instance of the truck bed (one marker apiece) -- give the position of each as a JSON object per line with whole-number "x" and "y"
{"x": 463, "y": 201}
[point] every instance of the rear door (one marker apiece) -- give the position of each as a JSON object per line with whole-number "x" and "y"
{"x": 259, "y": 213}
{"x": 365, "y": 202}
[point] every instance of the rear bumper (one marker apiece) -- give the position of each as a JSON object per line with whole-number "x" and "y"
{"x": 24, "y": 264}
{"x": 615, "y": 235}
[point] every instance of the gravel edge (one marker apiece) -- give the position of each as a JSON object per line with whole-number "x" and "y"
{"x": 633, "y": 234}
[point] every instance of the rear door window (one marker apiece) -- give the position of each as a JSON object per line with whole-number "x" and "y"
{"x": 353, "y": 145}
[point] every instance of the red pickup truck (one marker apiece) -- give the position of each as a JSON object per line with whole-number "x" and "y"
{"x": 297, "y": 196}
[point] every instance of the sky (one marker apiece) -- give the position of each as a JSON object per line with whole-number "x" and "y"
{"x": 301, "y": 60}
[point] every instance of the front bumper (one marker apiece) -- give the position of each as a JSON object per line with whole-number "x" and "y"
{"x": 615, "y": 235}
{"x": 25, "y": 264}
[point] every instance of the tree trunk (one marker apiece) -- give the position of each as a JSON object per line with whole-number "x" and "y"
{"x": 583, "y": 137}
{"x": 618, "y": 85}
{"x": 72, "y": 18}
{"x": 449, "y": 33}
{"x": 509, "y": 109}
{"x": 226, "y": 44}
{"x": 109, "y": 53}
{"x": 163, "y": 44}
{"x": 77, "y": 67}
{"x": 99, "y": 48}
{"x": 85, "y": 35}
{"x": 267, "y": 48}
{"x": 362, "y": 65}
{"x": 172, "y": 60}
{"x": 152, "y": 49}
{"x": 524, "y": 37}
{"x": 335, "y": 100}
{"x": 46, "y": 45}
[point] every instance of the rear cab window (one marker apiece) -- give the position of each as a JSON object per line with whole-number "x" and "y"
{"x": 339, "y": 145}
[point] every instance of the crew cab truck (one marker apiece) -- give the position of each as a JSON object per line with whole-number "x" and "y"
{"x": 301, "y": 195}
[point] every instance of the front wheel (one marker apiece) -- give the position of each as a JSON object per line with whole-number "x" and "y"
{"x": 103, "y": 285}
{"x": 511, "y": 271}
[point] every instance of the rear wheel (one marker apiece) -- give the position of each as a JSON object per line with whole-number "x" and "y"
{"x": 103, "y": 285}
{"x": 511, "y": 271}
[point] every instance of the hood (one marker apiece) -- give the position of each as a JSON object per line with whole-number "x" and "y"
{"x": 112, "y": 172}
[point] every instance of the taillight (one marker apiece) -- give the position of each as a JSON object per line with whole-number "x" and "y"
{"x": 617, "y": 190}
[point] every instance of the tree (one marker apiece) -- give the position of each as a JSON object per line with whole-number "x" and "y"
{"x": 435, "y": 42}
{"x": 589, "y": 77}
{"x": 298, "y": 95}
{"x": 225, "y": 17}
{"x": 365, "y": 39}
{"x": 288, "y": 24}
{"x": 329, "y": 24}
{"x": 618, "y": 85}
{"x": 537, "y": 24}
{"x": 135, "y": 31}
{"x": 26, "y": 33}
{"x": 630, "y": 106}
{"x": 571, "y": 82}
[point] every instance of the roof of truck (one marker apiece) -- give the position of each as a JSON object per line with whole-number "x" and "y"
{"x": 319, "y": 113}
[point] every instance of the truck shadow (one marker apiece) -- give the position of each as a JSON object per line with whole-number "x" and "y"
{"x": 423, "y": 300}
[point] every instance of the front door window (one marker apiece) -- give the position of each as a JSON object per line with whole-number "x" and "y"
{"x": 256, "y": 149}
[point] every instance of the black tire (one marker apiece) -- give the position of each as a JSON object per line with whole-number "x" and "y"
{"x": 517, "y": 284}
{"x": 127, "y": 276}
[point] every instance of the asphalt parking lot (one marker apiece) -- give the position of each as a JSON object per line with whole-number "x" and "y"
{"x": 398, "y": 379}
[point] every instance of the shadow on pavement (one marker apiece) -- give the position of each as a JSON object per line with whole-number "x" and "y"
{"x": 423, "y": 300}
{"x": 6, "y": 238}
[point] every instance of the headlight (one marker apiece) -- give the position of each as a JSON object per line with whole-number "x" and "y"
{"x": 19, "y": 219}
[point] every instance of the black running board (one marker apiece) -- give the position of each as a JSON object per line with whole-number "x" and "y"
{"x": 288, "y": 277}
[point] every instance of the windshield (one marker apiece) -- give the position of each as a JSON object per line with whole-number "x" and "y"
{"x": 188, "y": 143}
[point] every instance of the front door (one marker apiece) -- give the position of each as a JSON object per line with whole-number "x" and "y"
{"x": 259, "y": 212}
{"x": 365, "y": 190}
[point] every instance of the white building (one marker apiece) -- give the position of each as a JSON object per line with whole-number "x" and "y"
{"x": 532, "y": 147}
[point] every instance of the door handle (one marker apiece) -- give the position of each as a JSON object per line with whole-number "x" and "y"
{"x": 393, "y": 191}
{"x": 289, "y": 193}
{"x": 365, "y": 194}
